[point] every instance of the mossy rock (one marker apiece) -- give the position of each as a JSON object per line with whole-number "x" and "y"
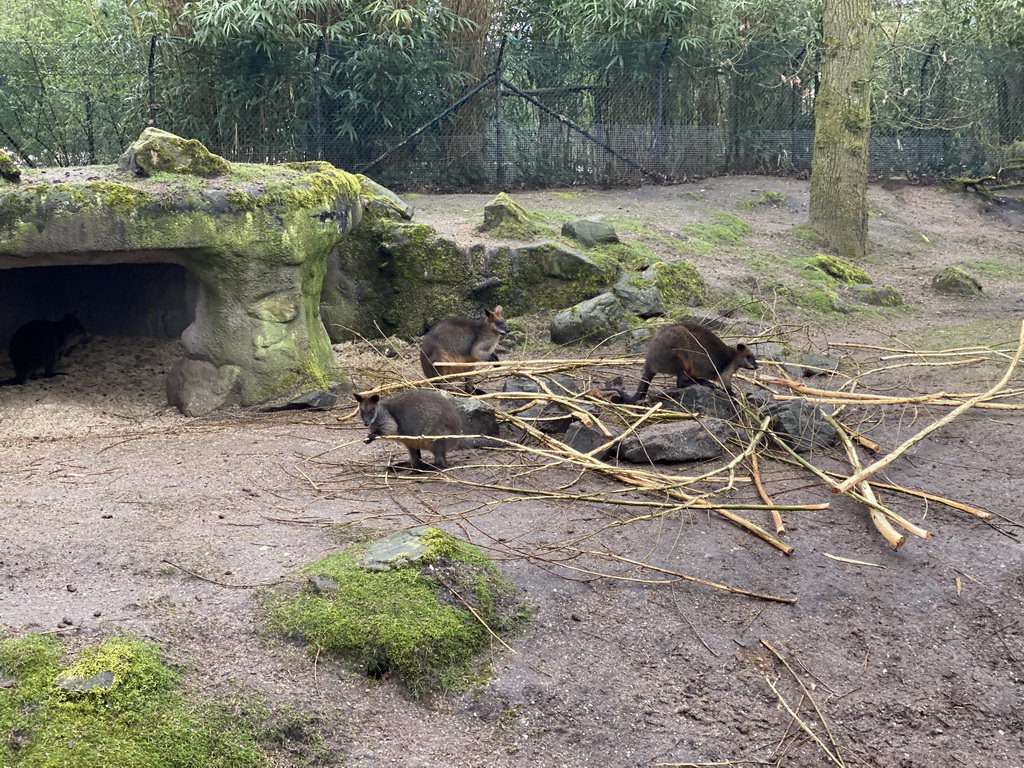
{"x": 954, "y": 281}
{"x": 840, "y": 269}
{"x": 8, "y": 170}
{"x": 503, "y": 217}
{"x": 408, "y": 621}
{"x": 117, "y": 704}
{"x": 157, "y": 151}
{"x": 257, "y": 245}
{"x": 878, "y": 295}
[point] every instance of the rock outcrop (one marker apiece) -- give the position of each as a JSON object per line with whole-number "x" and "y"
{"x": 256, "y": 243}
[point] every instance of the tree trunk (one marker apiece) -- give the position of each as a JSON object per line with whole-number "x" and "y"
{"x": 842, "y": 116}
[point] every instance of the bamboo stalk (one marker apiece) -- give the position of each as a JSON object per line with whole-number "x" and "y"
{"x": 886, "y": 461}
{"x": 780, "y": 527}
{"x": 884, "y": 527}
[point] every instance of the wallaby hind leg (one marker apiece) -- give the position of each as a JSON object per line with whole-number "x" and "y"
{"x": 440, "y": 450}
{"x": 415, "y": 460}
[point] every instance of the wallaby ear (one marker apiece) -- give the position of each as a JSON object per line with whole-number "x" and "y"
{"x": 359, "y": 398}
{"x": 374, "y": 398}
{"x": 494, "y": 315}
{"x": 742, "y": 348}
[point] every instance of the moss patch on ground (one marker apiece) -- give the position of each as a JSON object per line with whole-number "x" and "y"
{"x": 409, "y": 621}
{"x": 766, "y": 198}
{"x": 133, "y": 716}
{"x": 725, "y": 229}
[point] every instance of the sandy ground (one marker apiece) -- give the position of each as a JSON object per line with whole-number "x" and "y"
{"x": 109, "y": 499}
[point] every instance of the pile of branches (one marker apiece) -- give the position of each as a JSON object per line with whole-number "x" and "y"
{"x": 650, "y": 492}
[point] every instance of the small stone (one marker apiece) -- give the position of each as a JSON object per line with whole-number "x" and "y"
{"x": 324, "y": 586}
{"x": 103, "y": 680}
{"x": 71, "y": 588}
{"x": 97, "y": 614}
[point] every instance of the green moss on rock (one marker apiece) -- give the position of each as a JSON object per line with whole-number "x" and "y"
{"x": 9, "y": 172}
{"x": 404, "y": 620}
{"x": 507, "y": 219}
{"x": 953, "y": 280}
{"x": 157, "y": 151}
{"x": 840, "y": 269}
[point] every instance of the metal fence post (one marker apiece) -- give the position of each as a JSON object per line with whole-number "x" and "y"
{"x": 151, "y": 120}
{"x": 318, "y": 117}
{"x": 498, "y": 137}
{"x": 659, "y": 128}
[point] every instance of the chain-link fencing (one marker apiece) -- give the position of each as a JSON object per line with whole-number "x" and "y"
{"x": 514, "y": 112}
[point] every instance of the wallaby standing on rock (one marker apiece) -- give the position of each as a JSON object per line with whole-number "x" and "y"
{"x": 456, "y": 340}
{"x": 39, "y": 344}
{"x": 412, "y": 414}
{"x": 694, "y": 355}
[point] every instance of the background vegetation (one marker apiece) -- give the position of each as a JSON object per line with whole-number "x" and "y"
{"x": 680, "y": 88}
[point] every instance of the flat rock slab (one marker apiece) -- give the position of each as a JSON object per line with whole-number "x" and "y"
{"x": 680, "y": 441}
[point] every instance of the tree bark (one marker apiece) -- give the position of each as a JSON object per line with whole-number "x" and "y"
{"x": 842, "y": 116}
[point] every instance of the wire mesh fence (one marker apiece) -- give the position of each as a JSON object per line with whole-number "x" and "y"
{"x": 529, "y": 113}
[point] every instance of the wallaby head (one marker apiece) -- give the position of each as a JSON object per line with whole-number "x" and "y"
{"x": 367, "y": 407}
{"x": 746, "y": 357}
{"x": 496, "y": 318}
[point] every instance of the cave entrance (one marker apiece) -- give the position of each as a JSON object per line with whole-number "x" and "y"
{"x": 120, "y": 305}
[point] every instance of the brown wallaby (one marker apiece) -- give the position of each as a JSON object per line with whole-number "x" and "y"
{"x": 39, "y": 344}
{"x": 455, "y": 340}
{"x": 694, "y": 355}
{"x": 415, "y": 415}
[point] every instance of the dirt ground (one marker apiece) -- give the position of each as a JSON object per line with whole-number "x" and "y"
{"x": 110, "y": 503}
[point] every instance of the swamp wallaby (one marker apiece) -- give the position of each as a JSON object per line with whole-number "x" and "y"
{"x": 39, "y": 344}
{"x": 455, "y": 340}
{"x": 412, "y": 414}
{"x": 693, "y": 354}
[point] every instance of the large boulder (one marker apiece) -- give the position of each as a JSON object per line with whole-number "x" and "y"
{"x": 256, "y": 245}
{"x": 593, "y": 320}
{"x": 392, "y": 276}
{"x": 590, "y": 231}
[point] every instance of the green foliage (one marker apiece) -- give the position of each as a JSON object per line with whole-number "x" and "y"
{"x": 404, "y": 620}
{"x": 140, "y": 721}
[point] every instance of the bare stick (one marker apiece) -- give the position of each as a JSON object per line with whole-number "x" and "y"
{"x": 835, "y": 758}
{"x": 884, "y": 462}
{"x": 683, "y": 576}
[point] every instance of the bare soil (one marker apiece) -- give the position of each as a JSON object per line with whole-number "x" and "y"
{"x": 111, "y": 503}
